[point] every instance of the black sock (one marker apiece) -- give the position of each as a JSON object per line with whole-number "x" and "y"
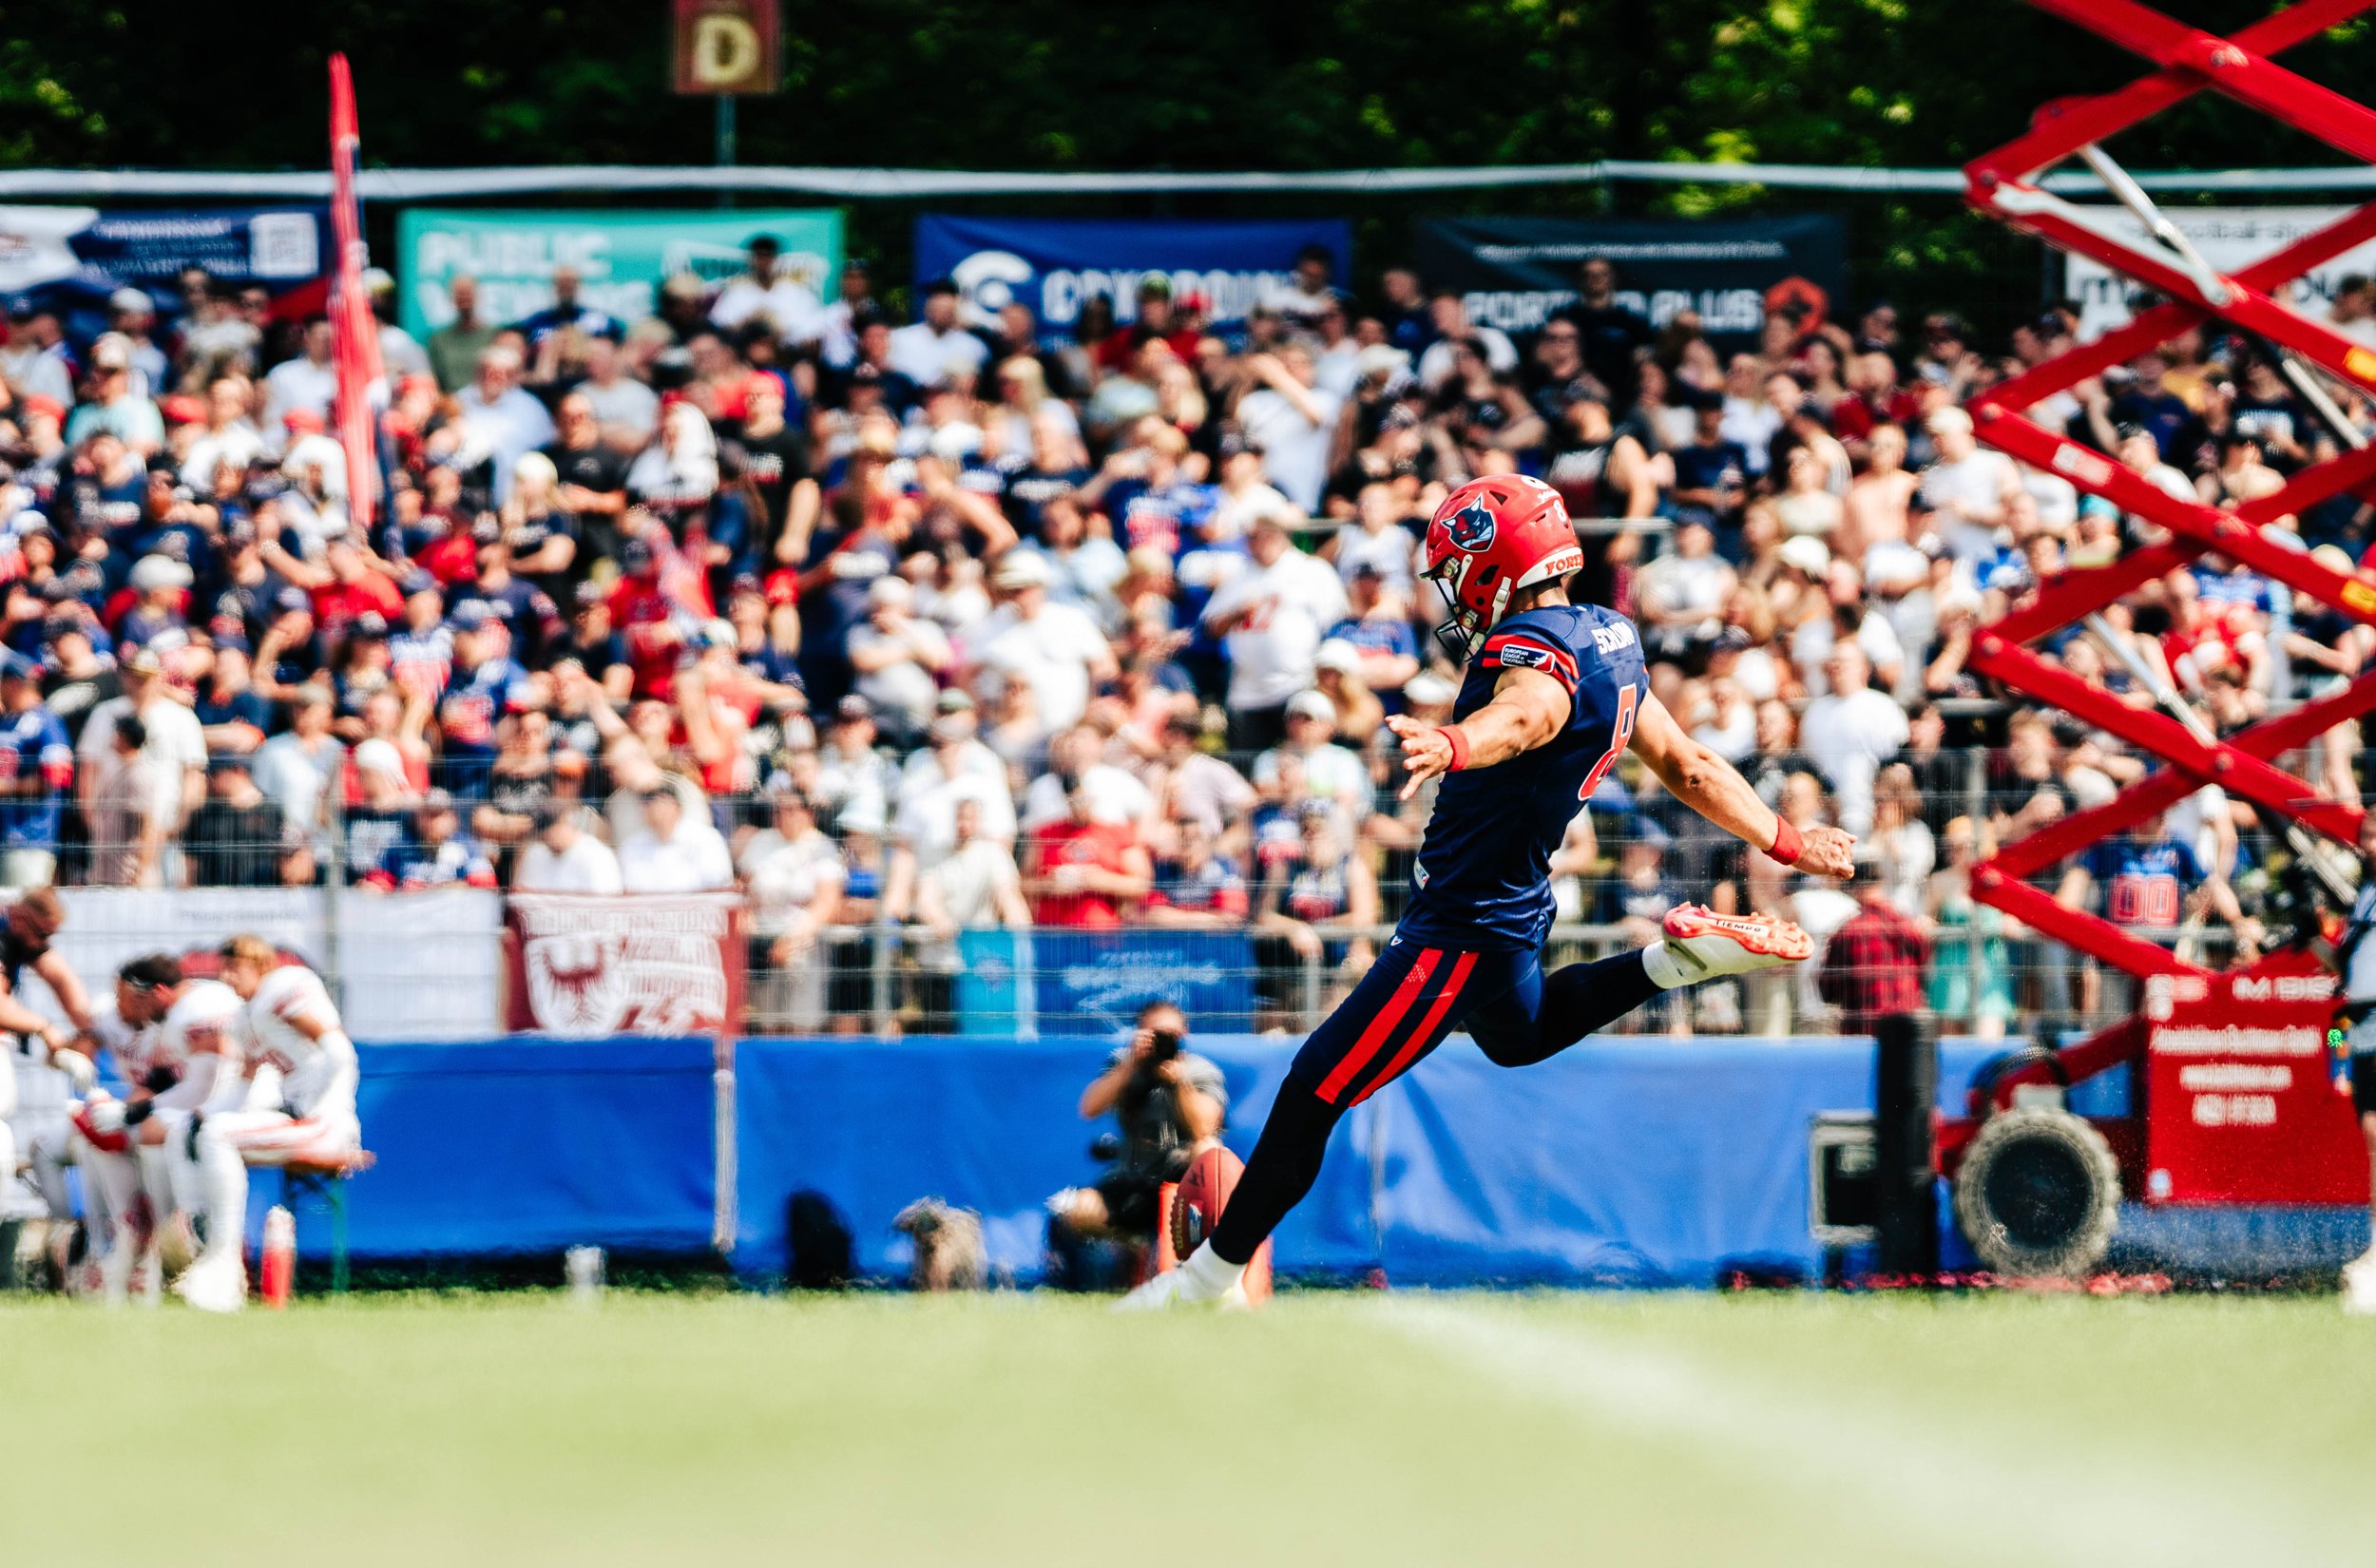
{"x": 1285, "y": 1163}
{"x": 1576, "y": 1000}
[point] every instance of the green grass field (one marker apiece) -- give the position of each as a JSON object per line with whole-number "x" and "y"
{"x": 1347, "y": 1427}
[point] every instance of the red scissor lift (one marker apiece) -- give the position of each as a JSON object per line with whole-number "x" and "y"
{"x": 2233, "y": 1096}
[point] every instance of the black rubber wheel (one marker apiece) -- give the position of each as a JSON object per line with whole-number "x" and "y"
{"x": 2039, "y": 1193}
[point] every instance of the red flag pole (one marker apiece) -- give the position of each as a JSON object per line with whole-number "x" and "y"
{"x": 355, "y": 332}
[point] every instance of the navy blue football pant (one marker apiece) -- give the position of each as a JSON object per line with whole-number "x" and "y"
{"x": 1411, "y": 998}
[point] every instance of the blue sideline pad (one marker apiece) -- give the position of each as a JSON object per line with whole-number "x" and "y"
{"x": 1625, "y": 1161}
{"x": 524, "y": 1144}
{"x": 987, "y": 1124}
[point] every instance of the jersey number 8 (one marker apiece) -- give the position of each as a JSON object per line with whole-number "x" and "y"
{"x": 1628, "y": 698}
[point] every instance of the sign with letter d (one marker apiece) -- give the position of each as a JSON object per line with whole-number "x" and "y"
{"x": 728, "y": 46}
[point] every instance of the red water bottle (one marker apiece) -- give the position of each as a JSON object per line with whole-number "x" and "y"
{"x": 276, "y": 1268}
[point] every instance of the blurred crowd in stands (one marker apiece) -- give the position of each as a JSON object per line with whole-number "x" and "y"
{"x": 937, "y": 621}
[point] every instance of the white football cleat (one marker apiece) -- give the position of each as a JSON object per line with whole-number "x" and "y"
{"x": 2359, "y": 1286}
{"x": 1152, "y": 1295}
{"x": 214, "y": 1284}
{"x": 1705, "y": 945}
{"x": 1162, "y": 1292}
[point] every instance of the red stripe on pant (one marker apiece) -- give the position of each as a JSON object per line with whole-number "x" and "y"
{"x": 1382, "y": 1026}
{"x": 1425, "y": 1032}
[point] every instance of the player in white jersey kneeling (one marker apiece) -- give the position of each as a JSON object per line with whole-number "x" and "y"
{"x": 288, "y": 1023}
{"x": 182, "y": 1053}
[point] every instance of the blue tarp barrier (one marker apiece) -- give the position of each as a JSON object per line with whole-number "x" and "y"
{"x": 524, "y": 1144}
{"x": 1630, "y": 1160}
{"x": 989, "y": 1124}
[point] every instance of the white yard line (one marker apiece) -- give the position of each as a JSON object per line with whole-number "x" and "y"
{"x": 1972, "y": 1499}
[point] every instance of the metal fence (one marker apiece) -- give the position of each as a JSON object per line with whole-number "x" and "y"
{"x": 892, "y": 972}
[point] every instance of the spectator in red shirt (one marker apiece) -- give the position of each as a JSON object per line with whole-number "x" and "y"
{"x": 1085, "y": 873}
{"x": 1873, "y": 965}
{"x": 350, "y": 586}
{"x": 643, "y": 613}
{"x": 1874, "y": 398}
{"x": 1155, "y": 319}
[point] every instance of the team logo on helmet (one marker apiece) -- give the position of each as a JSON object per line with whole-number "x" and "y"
{"x": 1470, "y": 528}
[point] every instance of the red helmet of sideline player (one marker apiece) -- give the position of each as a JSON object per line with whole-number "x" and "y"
{"x": 1490, "y": 538}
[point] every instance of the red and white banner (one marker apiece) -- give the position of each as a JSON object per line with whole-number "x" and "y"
{"x": 582, "y": 964}
{"x": 355, "y": 332}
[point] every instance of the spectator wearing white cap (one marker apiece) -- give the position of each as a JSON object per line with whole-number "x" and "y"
{"x": 162, "y": 586}
{"x": 899, "y": 658}
{"x": 1054, "y": 649}
{"x": 118, "y": 404}
{"x": 1331, "y": 773}
{"x": 1270, "y": 617}
{"x": 132, "y": 315}
{"x": 1337, "y": 675}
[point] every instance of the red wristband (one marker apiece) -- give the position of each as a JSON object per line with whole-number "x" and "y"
{"x": 1459, "y": 743}
{"x": 1786, "y": 842}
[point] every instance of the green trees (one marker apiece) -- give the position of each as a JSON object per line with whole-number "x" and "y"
{"x": 1218, "y": 84}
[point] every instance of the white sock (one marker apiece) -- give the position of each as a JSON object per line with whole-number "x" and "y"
{"x": 1660, "y": 965}
{"x": 226, "y": 1195}
{"x": 49, "y": 1157}
{"x": 1205, "y": 1277}
{"x": 111, "y": 1185}
{"x": 218, "y": 1180}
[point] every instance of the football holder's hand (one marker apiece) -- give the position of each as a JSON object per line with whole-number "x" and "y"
{"x": 1427, "y": 751}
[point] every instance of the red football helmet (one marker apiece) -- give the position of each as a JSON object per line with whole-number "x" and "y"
{"x": 1491, "y": 538}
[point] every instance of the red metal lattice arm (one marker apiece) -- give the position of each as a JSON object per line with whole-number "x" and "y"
{"x": 2002, "y": 184}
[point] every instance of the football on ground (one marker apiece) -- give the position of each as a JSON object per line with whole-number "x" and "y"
{"x": 1354, "y": 1426}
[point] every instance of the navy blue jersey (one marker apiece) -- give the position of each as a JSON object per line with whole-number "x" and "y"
{"x": 1483, "y": 880}
{"x": 2143, "y": 883}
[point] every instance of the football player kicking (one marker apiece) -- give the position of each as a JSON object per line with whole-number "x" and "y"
{"x": 1555, "y": 693}
{"x": 288, "y": 1023}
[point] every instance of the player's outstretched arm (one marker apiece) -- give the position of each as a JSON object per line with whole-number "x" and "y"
{"x": 1711, "y": 786}
{"x": 1528, "y": 708}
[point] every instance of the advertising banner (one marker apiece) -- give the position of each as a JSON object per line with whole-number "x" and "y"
{"x": 70, "y": 258}
{"x": 620, "y": 257}
{"x": 1515, "y": 272}
{"x": 2229, "y": 237}
{"x": 1054, "y": 265}
{"x": 582, "y": 966}
{"x": 1093, "y": 983}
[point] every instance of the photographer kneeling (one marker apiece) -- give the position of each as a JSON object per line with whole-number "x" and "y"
{"x": 1171, "y": 1104}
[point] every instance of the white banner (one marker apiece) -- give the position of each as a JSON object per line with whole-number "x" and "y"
{"x": 2229, "y": 239}
{"x": 425, "y": 966}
